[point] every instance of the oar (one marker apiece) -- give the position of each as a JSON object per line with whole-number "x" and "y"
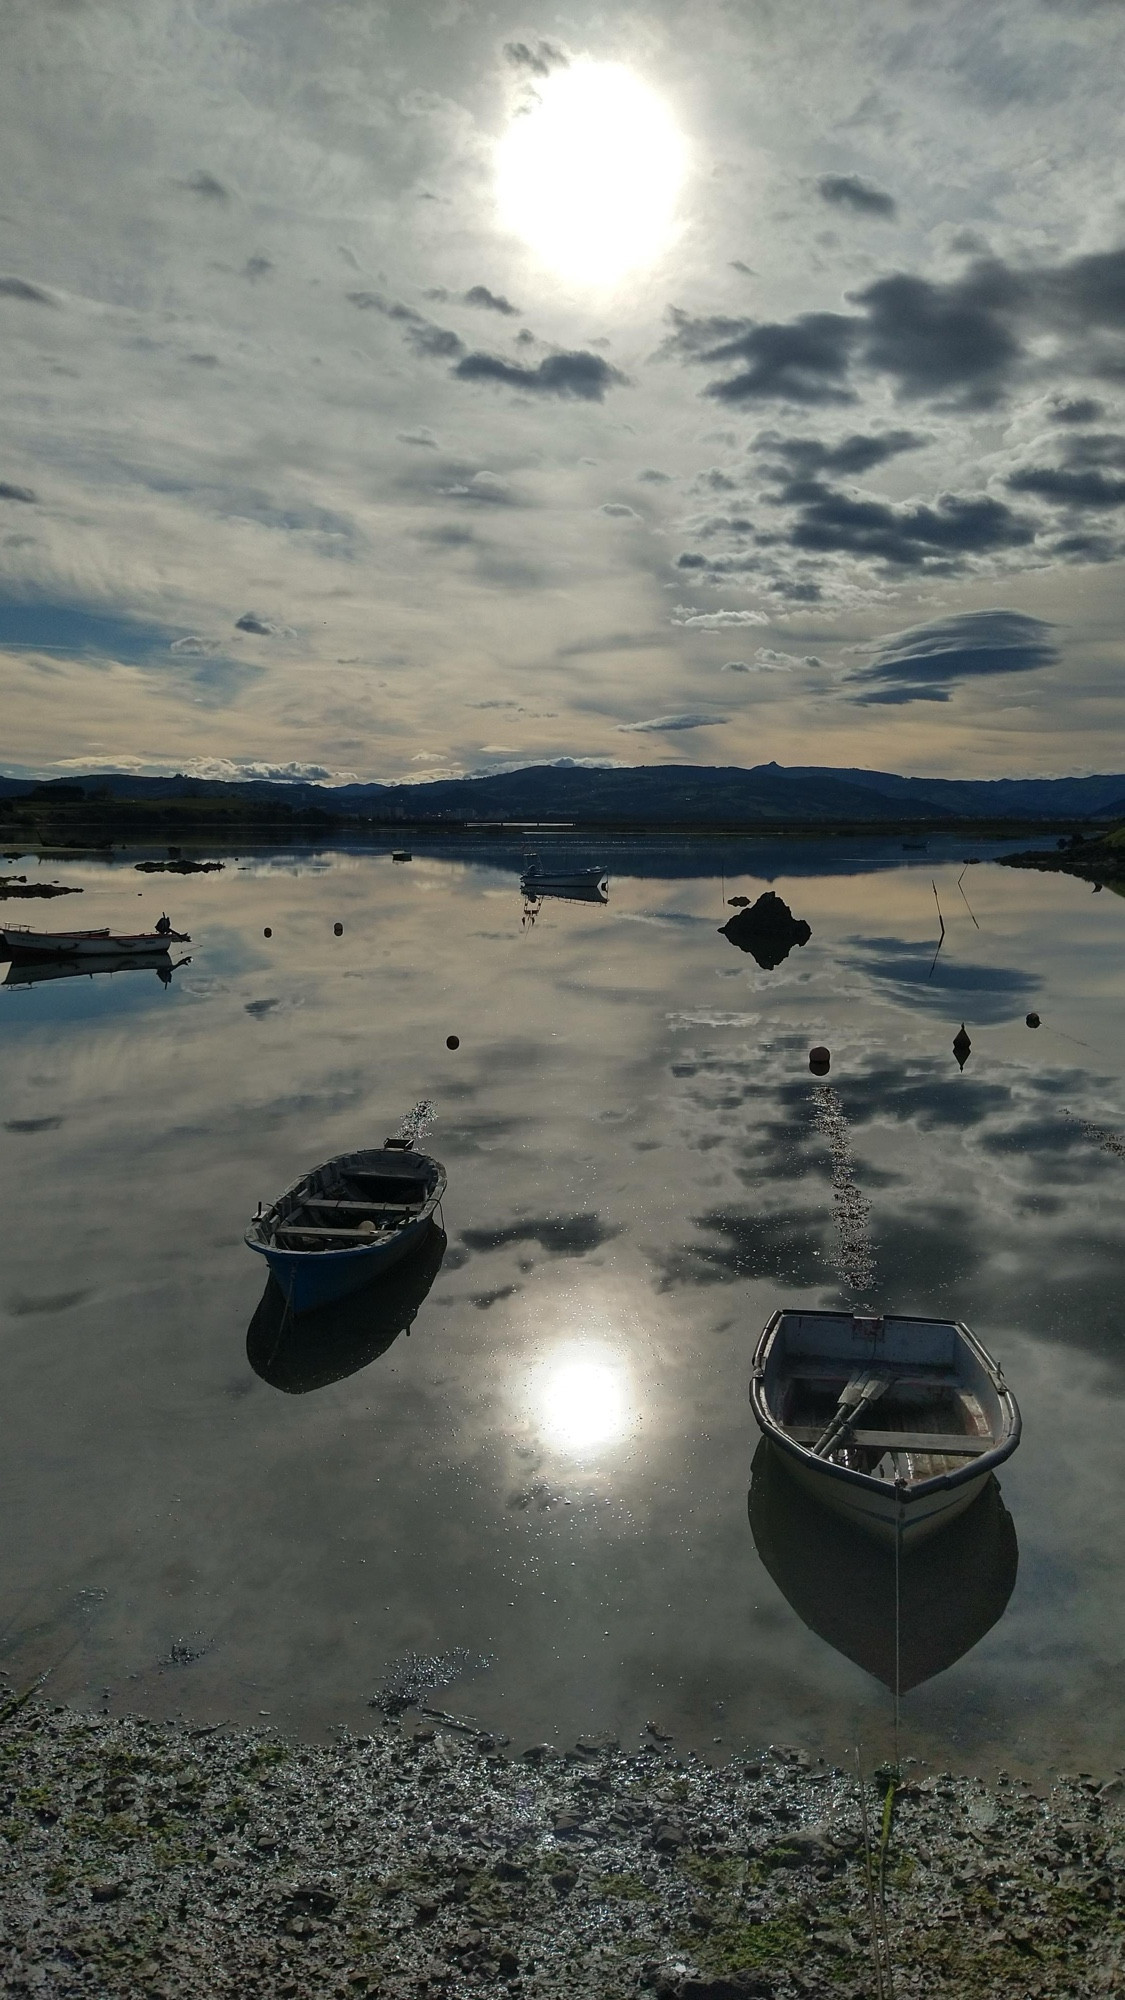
{"x": 858, "y": 1396}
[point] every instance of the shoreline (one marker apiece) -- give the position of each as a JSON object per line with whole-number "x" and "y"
{"x": 175, "y": 1862}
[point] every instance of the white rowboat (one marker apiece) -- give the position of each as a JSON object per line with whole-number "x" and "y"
{"x": 22, "y": 942}
{"x": 893, "y": 1421}
{"x": 582, "y": 884}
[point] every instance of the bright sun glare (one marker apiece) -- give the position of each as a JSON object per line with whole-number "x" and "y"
{"x": 582, "y": 1400}
{"x": 589, "y": 176}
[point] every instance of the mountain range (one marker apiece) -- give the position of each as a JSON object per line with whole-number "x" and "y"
{"x": 645, "y": 795}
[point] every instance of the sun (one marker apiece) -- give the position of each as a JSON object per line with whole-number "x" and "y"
{"x": 590, "y": 174}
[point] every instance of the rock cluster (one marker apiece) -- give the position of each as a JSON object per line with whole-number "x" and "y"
{"x": 768, "y": 930}
{"x": 173, "y": 1863}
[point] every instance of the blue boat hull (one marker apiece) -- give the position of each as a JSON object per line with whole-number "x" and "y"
{"x": 332, "y": 1274}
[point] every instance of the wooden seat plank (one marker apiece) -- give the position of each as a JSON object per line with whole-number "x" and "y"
{"x": 334, "y": 1205}
{"x": 317, "y": 1229}
{"x": 945, "y": 1443}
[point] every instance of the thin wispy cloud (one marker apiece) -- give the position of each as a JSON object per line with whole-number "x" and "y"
{"x": 659, "y": 725}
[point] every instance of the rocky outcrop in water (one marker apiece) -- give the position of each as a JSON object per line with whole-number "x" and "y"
{"x": 768, "y": 930}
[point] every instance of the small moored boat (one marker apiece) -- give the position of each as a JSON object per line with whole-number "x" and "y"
{"x": 896, "y": 1422}
{"x": 345, "y": 1222}
{"x": 580, "y": 884}
{"x": 22, "y": 942}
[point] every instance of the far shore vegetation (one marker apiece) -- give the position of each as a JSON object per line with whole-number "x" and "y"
{"x": 57, "y": 817}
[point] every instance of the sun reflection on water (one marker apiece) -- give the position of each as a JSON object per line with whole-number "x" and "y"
{"x": 582, "y": 1397}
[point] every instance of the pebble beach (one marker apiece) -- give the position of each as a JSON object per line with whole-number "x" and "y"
{"x": 170, "y": 1862}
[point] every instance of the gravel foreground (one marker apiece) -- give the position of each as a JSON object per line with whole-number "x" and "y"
{"x": 141, "y": 1859}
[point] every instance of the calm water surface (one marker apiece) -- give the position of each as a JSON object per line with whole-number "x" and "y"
{"x": 547, "y": 1478}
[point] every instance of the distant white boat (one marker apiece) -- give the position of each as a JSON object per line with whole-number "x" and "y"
{"x": 583, "y": 884}
{"x": 22, "y": 942}
{"x": 894, "y": 1422}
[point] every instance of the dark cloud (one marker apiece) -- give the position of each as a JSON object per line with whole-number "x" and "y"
{"x": 1082, "y": 548}
{"x": 653, "y": 477}
{"x": 1077, "y": 410}
{"x": 1080, "y": 481}
{"x": 924, "y": 663}
{"x": 250, "y": 622}
{"x": 433, "y": 343}
{"x": 92, "y": 635}
{"x": 256, "y": 267}
{"x": 1068, "y": 488}
{"x": 206, "y": 185}
{"x": 958, "y": 340}
{"x": 848, "y": 191}
{"x": 802, "y": 361}
{"x": 898, "y": 697}
{"x": 24, "y": 493}
{"x": 993, "y": 992}
{"x": 787, "y": 1245}
{"x": 577, "y": 374}
{"x": 938, "y": 340}
{"x": 19, "y": 288}
{"x": 908, "y": 537}
{"x": 560, "y": 1235}
{"x": 856, "y": 453}
{"x": 538, "y": 61}
{"x": 430, "y": 342}
{"x": 618, "y": 510}
{"x": 479, "y": 295}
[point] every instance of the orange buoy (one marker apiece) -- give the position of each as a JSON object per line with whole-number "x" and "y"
{"x": 453, "y": 1041}
{"x": 820, "y": 1060}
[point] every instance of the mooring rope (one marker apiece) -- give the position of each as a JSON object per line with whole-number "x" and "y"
{"x": 898, "y": 1613}
{"x": 855, "y": 1255}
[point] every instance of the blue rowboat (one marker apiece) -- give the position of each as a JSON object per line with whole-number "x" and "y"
{"x": 346, "y": 1222}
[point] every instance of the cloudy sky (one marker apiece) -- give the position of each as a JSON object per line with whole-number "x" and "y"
{"x": 394, "y": 390}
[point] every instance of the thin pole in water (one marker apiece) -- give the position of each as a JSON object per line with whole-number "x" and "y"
{"x": 941, "y": 921}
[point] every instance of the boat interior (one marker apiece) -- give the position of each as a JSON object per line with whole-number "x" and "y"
{"x": 351, "y": 1203}
{"x": 895, "y": 1399}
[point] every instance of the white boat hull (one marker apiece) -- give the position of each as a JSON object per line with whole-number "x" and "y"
{"x": 880, "y": 1514}
{"x": 20, "y": 942}
{"x": 898, "y": 1484}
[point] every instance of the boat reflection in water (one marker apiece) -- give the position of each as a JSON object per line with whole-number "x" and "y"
{"x": 953, "y": 1587}
{"x": 31, "y": 971}
{"x": 311, "y": 1350}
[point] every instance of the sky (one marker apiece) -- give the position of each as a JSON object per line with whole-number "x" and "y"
{"x": 398, "y": 391}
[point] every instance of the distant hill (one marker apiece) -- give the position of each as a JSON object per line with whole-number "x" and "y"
{"x": 689, "y": 794}
{"x": 645, "y": 795}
